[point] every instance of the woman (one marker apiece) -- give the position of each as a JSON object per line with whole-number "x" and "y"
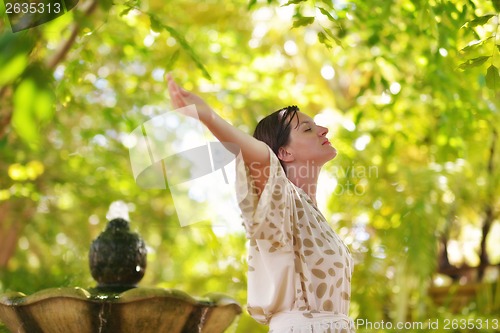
{"x": 299, "y": 271}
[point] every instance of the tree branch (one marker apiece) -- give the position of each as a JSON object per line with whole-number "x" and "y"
{"x": 489, "y": 210}
{"x": 64, "y": 48}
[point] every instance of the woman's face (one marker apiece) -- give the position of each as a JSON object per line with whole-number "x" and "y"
{"x": 308, "y": 142}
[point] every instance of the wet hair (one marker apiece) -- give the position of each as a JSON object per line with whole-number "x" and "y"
{"x": 274, "y": 129}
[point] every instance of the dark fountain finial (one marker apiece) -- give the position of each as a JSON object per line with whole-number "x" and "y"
{"x": 117, "y": 257}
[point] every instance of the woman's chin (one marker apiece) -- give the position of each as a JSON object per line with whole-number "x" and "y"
{"x": 334, "y": 153}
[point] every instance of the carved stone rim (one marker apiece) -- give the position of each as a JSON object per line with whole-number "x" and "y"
{"x": 136, "y": 310}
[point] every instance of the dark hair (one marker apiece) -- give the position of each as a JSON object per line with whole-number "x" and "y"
{"x": 274, "y": 129}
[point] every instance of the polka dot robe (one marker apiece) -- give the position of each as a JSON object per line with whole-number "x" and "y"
{"x": 296, "y": 262}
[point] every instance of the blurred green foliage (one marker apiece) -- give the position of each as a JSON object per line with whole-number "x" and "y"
{"x": 409, "y": 91}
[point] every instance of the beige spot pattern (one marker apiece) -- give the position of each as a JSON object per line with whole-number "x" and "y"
{"x": 296, "y": 263}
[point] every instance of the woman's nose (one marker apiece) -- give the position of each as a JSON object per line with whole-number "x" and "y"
{"x": 322, "y": 131}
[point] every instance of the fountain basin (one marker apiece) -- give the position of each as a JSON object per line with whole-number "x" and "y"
{"x": 137, "y": 310}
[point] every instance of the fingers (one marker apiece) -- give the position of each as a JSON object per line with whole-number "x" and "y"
{"x": 175, "y": 93}
{"x": 179, "y": 96}
{"x": 179, "y": 89}
{"x": 172, "y": 86}
{"x": 182, "y": 91}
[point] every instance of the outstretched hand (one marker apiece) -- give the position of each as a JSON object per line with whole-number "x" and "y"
{"x": 181, "y": 98}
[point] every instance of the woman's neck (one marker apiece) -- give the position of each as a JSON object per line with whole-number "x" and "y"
{"x": 304, "y": 176}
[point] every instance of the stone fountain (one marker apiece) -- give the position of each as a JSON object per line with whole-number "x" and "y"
{"x": 117, "y": 261}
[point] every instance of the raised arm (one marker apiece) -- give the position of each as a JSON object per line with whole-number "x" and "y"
{"x": 255, "y": 153}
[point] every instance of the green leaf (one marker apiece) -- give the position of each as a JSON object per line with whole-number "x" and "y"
{"x": 496, "y": 5}
{"x": 358, "y": 118}
{"x": 478, "y": 21}
{"x": 292, "y": 2}
{"x": 327, "y": 14}
{"x": 472, "y": 47}
{"x": 125, "y": 11}
{"x": 156, "y": 25}
{"x": 106, "y": 4}
{"x": 12, "y": 68}
{"x": 251, "y": 3}
{"x": 43, "y": 110}
{"x": 22, "y": 119}
{"x": 185, "y": 45}
{"x": 474, "y": 62}
{"x": 303, "y": 21}
{"x": 335, "y": 38}
{"x": 172, "y": 60}
{"x": 323, "y": 39}
{"x": 492, "y": 78}
{"x": 33, "y": 102}
{"x": 132, "y": 3}
{"x": 14, "y": 44}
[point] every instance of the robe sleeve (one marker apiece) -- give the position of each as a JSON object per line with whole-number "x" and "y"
{"x": 268, "y": 216}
